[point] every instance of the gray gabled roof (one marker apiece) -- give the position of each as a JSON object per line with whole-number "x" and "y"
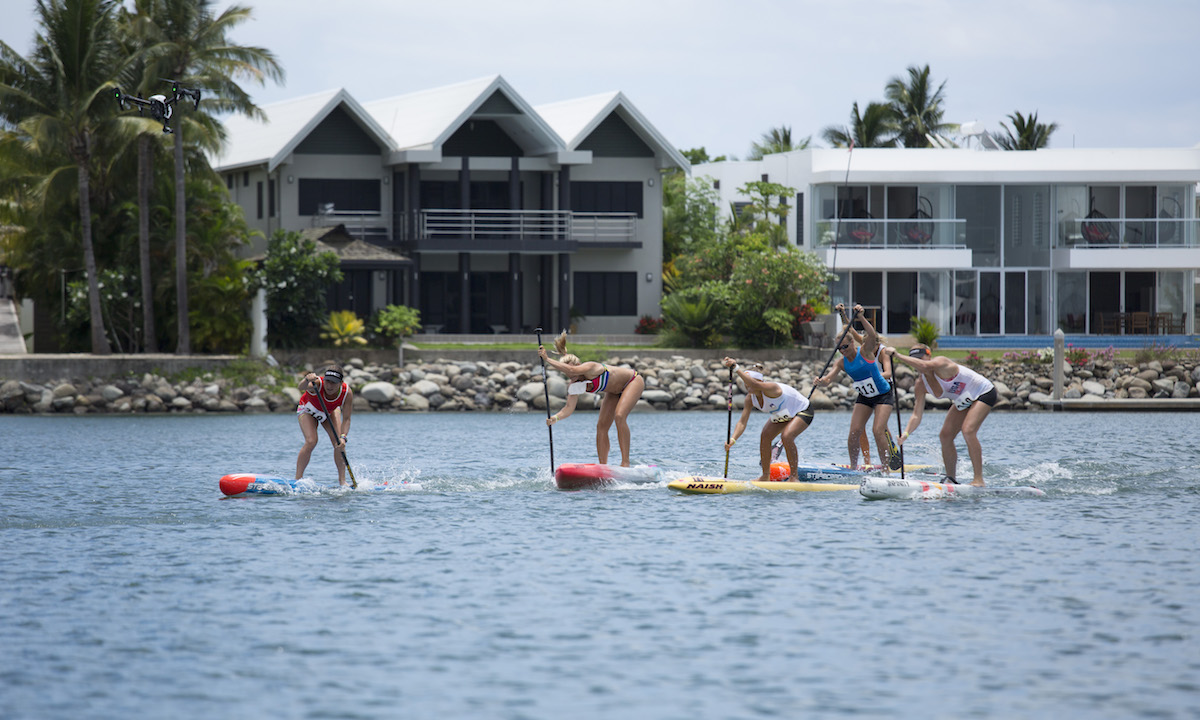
{"x": 425, "y": 120}
{"x": 253, "y": 142}
{"x": 576, "y": 119}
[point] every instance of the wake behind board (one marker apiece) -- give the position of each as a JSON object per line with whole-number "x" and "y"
{"x": 577, "y": 476}
{"x": 875, "y": 488}
{"x": 814, "y": 472}
{"x": 698, "y": 485}
{"x": 256, "y": 484}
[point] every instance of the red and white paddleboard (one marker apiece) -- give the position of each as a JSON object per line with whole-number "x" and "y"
{"x": 256, "y": 484}
{"x": 577, "y": 476}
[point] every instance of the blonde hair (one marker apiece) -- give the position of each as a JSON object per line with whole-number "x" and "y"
{"x": 560, "y": 349}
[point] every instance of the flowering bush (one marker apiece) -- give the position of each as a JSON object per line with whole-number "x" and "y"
{"x": 649, "y": 325}
{"x": 1030, "y": 357}
{"x": 1077, "y": 357}
{"x": 973, "y": 360}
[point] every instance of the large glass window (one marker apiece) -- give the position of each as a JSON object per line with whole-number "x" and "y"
{"x": 1014, "y": 303}
{"x": 1026, "y": 225}
{"x": 1140, "y": 210}
{"x": 606, "y": 293}
{"x": 1139, "y": 292}
{"x": 965, "y": 302}
{"x": 1171, "y": 292}
{"x": 933, "y": 299}
{"x": 1070, "y": 205}
{"x": 901, "y": 301}
{"x": 1072, "y": 301}
{"x": 360, "y": 195}
{"x": 979, "y": 206}
{"x": 1037, "y": 302}
{"x": 989, "y": 303}
{"x": 1172, "y": 199}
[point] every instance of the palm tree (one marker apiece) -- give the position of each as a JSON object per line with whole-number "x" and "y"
{"x": 1026, "y": 133}
{"x": 776, "y": 140}
{"x": 193, "y": 49}
{"x": 874, "y": 128}
{"x": 917, "y": 108}
{"x": 59, "y": 99}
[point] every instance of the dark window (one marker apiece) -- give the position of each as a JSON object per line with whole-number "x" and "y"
{"x": 738, "y": 207}
{"x": 589, "y": 197}
{"x": 270, "y": 198}
{"x": 229, "y": 181}
{"x": 606, "y": 293}
{"x": 360, "y": 195}
{"x": 260, "y": 200}
{"x": 447, "y": 195}
{"x": 800, "y": 219}
{"x": 246, "y": 179}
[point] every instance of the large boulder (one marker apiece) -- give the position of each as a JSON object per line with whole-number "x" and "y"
{"x": 379, "y": 392}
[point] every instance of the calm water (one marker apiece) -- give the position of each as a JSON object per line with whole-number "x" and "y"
{"x": 131, "y": 588}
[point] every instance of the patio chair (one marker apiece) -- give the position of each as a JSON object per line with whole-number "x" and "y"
{"x": 1139, "y": 323}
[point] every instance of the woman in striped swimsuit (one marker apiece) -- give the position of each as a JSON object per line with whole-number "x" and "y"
{"x": 622, "y": 388}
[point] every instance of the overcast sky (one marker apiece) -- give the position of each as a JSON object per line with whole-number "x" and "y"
{"x": 717, "y": 74}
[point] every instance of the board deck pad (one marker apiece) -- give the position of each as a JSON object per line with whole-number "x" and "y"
{"x": 699, "y": 485}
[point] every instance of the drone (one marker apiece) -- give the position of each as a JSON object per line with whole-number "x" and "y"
{"x": 160, "y": 105}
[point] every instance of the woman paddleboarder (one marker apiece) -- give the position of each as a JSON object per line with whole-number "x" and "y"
{"x": 333, "y": 407}
{"x": 622, "y": 387}
{"x": 789, "y": 411}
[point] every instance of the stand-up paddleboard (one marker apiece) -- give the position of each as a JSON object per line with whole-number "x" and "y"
{"x": 697, "y": 485}
{"x": 875, "y": 488}
{"x": 255, "y": 484}
{"x": 576, "y": 476}
{"x": 812, "y": 472}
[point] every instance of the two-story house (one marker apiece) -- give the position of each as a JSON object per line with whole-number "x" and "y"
{"x": 512, "y": 216}
{"x": 993, "y": 243}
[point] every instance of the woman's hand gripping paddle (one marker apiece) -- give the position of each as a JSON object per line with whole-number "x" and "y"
{"x": 332, "y": 432}
{"x": 729, "y": 423}
{"x": 546, "y": 388}
{"x": 831, "y": 357}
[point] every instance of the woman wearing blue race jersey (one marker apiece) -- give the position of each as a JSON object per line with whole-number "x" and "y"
{"x": 874, "y": 390}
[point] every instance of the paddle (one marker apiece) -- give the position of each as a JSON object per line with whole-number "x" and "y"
{"x": 332, "y": 432}
{"x": 896, "y": 454}
{"x": 831, "y": 357}
{"x": 546, "y": 388}
{"x": 729, "y": 423}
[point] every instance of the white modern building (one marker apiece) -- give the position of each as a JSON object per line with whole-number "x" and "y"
{"x": 996, "y": 243}
{"x": 512, "y": 216}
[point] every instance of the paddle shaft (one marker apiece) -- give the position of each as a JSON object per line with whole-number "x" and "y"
{"x": 729, "y": 423}
{"x": 333, "y": 433}
{"x": 899, "y": 430}
{"x": 546, "y": 388}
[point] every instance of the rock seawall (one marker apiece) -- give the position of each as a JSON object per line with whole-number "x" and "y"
{"x": 674, "y": 383}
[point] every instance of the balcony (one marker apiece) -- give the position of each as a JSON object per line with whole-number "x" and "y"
{"x": 1128, "y": 244}
{"x": 453, "y": 230}
{"x": 912, "y": 244}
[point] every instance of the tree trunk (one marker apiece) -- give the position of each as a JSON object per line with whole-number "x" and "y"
{"x": 181, "y": 289}
{"x": 145, "y": 177}
{"x": 99, "y": 337}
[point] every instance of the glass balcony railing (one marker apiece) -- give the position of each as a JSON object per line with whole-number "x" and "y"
{"x": 912, "y": 233}
{"x": 1101, "y": 232}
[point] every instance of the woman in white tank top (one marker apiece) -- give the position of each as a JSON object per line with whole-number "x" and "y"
{"x": 972, "y": 396}
{"x": 789, "y": 411}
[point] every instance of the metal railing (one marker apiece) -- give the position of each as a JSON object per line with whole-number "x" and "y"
{"x": 603, "y": 227}
{"x": 483, "y": 224}
{"x": 1102, "y": 232}
{"x": 938, "y": 233}
{"x": 486, "y": 225}
{"x": 362, "y": 224}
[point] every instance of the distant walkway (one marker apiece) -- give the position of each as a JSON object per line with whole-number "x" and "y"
{"x": 1091, "y": 342}
{"x": 11, "y": 342}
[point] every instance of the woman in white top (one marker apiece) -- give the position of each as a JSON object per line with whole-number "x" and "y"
{"x": 789, "y": 411}
{"x": 973, "y": 396}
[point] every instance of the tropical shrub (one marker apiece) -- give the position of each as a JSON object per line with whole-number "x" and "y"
{"x": 924, "y": 331}
{"x": 973, "y": 360}
{"x": 395, "y": 322}
{"x": 219, "y": 314}
{"x": 296, "y": 278}
{"x": 764, "y": 287}
{"x": 344, "y": 328}
{"x": 695, "y": 314}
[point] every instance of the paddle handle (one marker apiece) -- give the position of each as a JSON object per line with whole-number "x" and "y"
{"x": 729, "y": 422}
{"x": 332, "y": 432}
{"x": 546, "y": 389}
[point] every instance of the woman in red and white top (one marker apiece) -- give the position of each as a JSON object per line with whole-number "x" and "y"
{"x": 332, "y": 407}
{"x": 972, "y": 395}
{"x": 622, "y": 388}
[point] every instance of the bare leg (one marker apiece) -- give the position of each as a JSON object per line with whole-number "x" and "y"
{"x": 858, "y": 425}
{"x": 976, "y": 414}
{"x": 608, "y": 412}
{"x": 765, "y": 440}
{"x": 883, "y": 413}
{"x": 950, "y": 430}
{"x": 308, "y": 427}
{"x": 628, "y": 398}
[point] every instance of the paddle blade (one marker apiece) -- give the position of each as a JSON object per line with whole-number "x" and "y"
{"x": 895, "y": 462}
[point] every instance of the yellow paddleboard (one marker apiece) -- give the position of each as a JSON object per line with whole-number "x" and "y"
{"x": 721, "y": 486}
